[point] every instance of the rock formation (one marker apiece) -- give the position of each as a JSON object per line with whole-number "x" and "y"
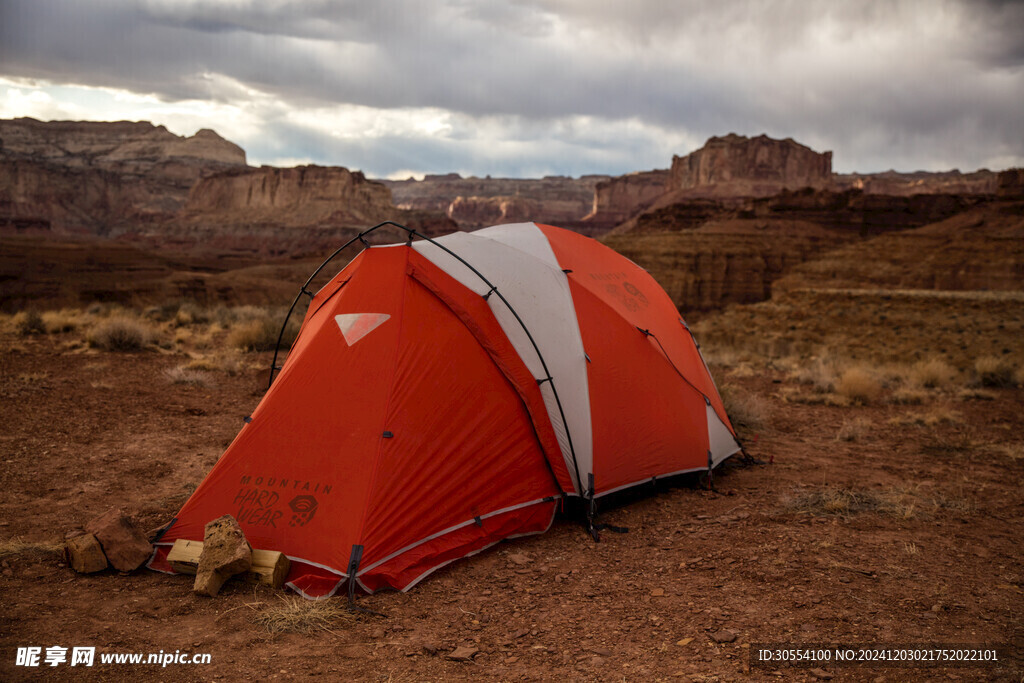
{"x": 618, "y": 199}
{"x": 755, "y": 166}
{"x": 477, "y": 202}
{"x": 122, "y": 146}
{"x": 290, "y": 197}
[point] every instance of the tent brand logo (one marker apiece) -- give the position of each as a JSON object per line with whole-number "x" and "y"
{"x": 304, "y": 508}
{"x": 355, "y": 326}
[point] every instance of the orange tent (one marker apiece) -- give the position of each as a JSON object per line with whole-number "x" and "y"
{"x": 444, "y": 394}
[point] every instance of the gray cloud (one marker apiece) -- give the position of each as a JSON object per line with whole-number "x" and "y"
{"x": 926, "y": 84}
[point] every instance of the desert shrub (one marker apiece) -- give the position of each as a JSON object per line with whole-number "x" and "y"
{"x": 820, "y": 374}
{"x": 908, "y": 396}
{"x": 994, "y": 371}
{"x": 934, "y": 417}
{"x": 859, "y": 385}
{"x": 121, "y": 333}
{"x": 260, "y": 333}
{"x": 183, "y": 374}
{"x": 60, "y": 321}
{"x": 28, "y": 322}
{"x": 748, "y": 412}
{"x": 932, "y": 373}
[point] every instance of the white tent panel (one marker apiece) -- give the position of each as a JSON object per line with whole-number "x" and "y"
{"x": 721, "y": 442}
{"x": 524, "y": 270}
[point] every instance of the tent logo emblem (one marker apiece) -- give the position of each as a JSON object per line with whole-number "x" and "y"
{"x": 304, "y": 507}
{"x": 355, "y": 326}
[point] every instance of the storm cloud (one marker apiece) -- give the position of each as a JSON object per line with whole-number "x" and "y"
{"x": 533, "y": 87}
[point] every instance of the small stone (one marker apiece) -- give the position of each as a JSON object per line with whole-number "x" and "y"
{"x": 597, "y": 660}
{"x": 519, "y": 558}
{"x": 723, "y": 636}
{"x": 936, "y": 607}
{"x": 684, "y": 641}
{"x": 462, "y": 654}
{"x": 658, "y": 592}
{"x": 821, "y": 674}
{"x": 124, "y": 544}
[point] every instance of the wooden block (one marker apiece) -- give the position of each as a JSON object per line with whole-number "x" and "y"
{"x": 85, "y": 555}
{"x": 269, "y": 567}
{"x": 184, "y": 556}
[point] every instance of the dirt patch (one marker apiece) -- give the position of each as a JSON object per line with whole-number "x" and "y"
{"x": 910, "y": 532}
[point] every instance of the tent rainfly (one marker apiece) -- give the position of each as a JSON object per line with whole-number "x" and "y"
{"x": 444, "y": 394}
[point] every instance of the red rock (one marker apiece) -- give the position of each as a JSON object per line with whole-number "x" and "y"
{"x": 124, "y": 544}
{"x": 462, "y": 653}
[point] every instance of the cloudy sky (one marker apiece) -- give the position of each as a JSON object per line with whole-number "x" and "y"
{"x": 525, "y": 88}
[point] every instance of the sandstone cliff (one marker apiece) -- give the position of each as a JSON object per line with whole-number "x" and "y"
{"x": 757, "y": 166}
{"x": 94, "y": 177}
{"x": 122, "y": 146}
{"x": 290, "y": 197}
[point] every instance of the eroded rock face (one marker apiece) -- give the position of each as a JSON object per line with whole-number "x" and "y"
{"x": 92, "y": 177}
{"x": 290, "y": 197}
{"x": 752, "y": 162}
{"x": 621, "y": 198}
{"x": 1010, "y": 184}
{"x": 124, "y": 146}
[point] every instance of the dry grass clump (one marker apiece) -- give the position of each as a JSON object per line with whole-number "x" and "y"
{"x": 297, "y": 615}
{"x": 853, "y": 430}
{"x": 844, "y": 502}
{"x": 821, "y": 374}
{"x": 908, "y": 396}
{"x": 121, "y": 333}
{"x": 748, "y": 412}
{"x": 258, "y": 330}
{"x": 859, "y": 385}
{"x": 993, "y": 371}
{"x": 63, "y": 320}
{"x": 228, "y": 363}
{"x": 933, "y": 373}
{"x": 932, "y": 418}
{"x": 28, "y": 322}
{"x": 15, "y": 547}
{"x": 183, "y": 374}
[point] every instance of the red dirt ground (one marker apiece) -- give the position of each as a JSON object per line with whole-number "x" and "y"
{"x": 86, "y": 431}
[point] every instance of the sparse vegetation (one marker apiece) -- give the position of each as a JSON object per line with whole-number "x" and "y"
{"x": 183, "y": 374}
{"x": 16, "y": 547}
{"x": 293, "y": 614}
{"x": 258, "y": 330}
{"x": 995, "y": 372}
{"x": 121, "y": 333}
{"x": 853, "y": 430}
{"x": 933, "y": 373}
{"x": 28, "y": 322}
{"x": 747, "y": 411}
{"x": 845, "y": 502}
{"x": 859, "y": 385}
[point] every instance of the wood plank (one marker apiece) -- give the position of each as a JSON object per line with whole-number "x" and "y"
{"x": 269, "y": 567}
